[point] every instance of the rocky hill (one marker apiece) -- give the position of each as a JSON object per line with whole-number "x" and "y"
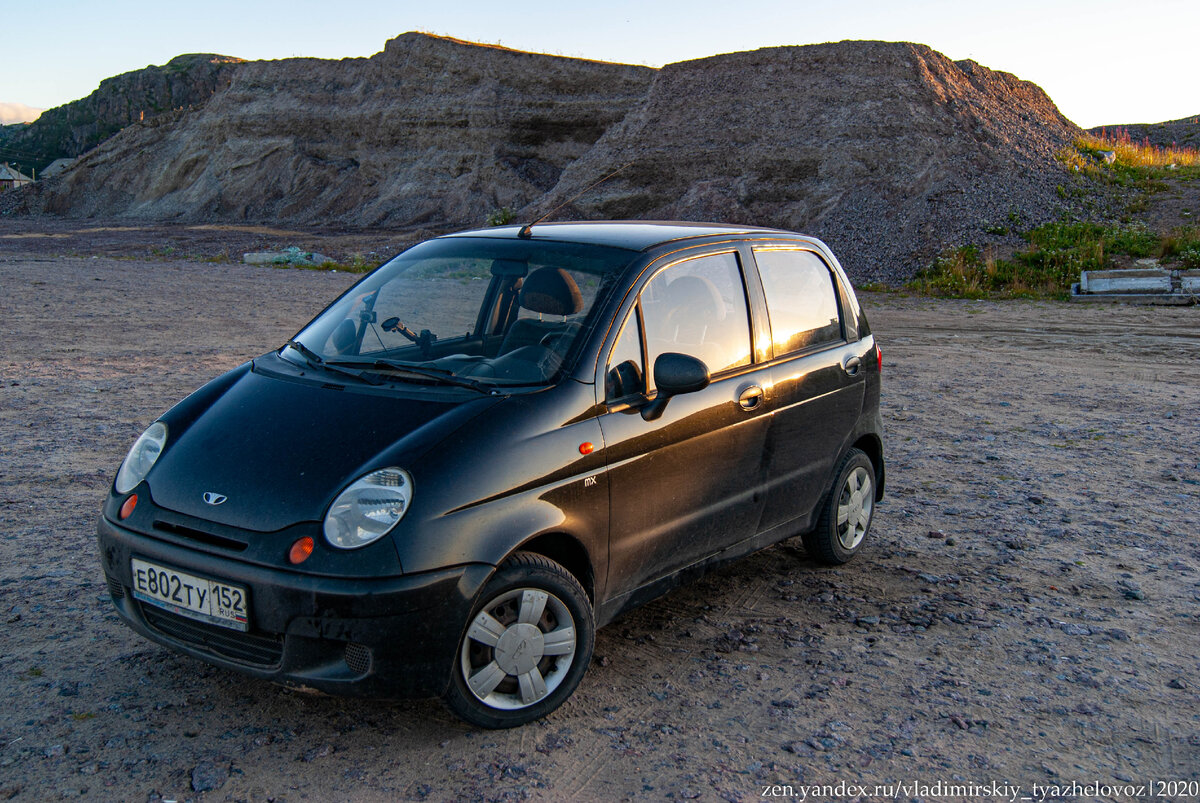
{"x": 889, "y": 151}
{"x": 886, "y": 150}
{"x": 1182, "y": 133}
{"x": 431, "y": 131}
{"x": 71, "y": 129}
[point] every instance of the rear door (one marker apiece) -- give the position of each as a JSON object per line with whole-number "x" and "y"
{"x": 817, "y": 379}
{"x": 687, "y": 484}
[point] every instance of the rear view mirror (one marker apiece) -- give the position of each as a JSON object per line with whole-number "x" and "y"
{"x": 509, "y": 267}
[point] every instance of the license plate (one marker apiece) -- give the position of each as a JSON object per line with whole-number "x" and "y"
{"x": 200, "y": 598}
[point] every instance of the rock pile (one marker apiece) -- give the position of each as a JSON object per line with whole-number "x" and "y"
{"x": 886, "y": 150}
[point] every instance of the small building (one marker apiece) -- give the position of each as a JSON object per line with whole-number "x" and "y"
{"x": 56, "y": 167}
{"x": 11, "y": 178}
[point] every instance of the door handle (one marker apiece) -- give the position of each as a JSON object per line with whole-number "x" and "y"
{"x": 750, "y": 397}
{"x": 851, "y": 365}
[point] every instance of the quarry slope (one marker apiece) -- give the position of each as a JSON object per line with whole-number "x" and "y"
{"x": 429, "y": 132}
{"x": 888, "y": 151}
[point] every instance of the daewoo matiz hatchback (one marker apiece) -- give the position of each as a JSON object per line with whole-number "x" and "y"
{"x": 492, "y": 445}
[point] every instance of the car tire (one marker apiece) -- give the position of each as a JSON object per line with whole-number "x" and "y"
{"x": 846, "y": 512}
{"x": 525, "y": 647}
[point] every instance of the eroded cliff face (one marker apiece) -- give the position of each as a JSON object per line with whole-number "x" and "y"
{"x": 429, "y": 132}
{"x": 886, "y": 150}
{"x": 66, "y": 131}
{"x": 889, "y": 151}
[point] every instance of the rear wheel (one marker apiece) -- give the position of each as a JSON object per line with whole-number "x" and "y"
{"x": 526, "y": 646}
{"x": 846, "y": 512}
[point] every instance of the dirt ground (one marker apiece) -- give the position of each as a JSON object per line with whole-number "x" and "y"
{"x": 1027, "y": 611}
{"x": 215, "y": 242}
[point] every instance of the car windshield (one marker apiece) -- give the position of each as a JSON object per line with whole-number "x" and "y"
{"x": 471, "y": 311}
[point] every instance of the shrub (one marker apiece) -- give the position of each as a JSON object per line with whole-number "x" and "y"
{"x": 501, "y": 217}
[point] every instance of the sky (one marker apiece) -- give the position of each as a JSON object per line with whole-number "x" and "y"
{"x": 1102, "y": 62}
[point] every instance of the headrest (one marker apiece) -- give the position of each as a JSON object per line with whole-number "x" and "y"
{"x": 551, "y": 291}
{"x": 696, "y": 296}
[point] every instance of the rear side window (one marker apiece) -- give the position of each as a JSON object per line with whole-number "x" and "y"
{"x": 801, "y": 299}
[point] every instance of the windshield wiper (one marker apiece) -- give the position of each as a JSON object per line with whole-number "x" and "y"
{"x": 315, "y": 360}
{"x": 438, "y": 374}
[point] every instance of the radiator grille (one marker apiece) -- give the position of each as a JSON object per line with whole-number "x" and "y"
{"x": 193, "y": 534}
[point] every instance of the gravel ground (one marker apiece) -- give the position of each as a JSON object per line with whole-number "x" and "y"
{"x": 1027, "y": 612}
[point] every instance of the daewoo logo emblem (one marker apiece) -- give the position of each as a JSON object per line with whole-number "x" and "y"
{"x": 211, "y": 498}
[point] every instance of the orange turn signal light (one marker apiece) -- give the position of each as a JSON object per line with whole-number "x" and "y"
{"x": 127, "y": 507}
{"x": 301, "y": 550}
{"x": 586, "y": 447}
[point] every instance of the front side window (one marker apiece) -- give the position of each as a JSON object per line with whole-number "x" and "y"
{"x": 801, "y": 299}
{"x": 698, "y": 307}
{"x": 625, "y": 375}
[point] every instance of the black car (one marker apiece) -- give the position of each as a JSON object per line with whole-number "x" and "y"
{"x": 493, "y": 444}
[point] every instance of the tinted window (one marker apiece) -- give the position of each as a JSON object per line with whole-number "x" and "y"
{"x": 801, "y": 299}
{"x": 698, "y": 307}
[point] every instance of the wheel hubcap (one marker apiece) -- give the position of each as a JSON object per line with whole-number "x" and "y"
{"x": 518, "y": 649}
{"x": 854, "y": 508}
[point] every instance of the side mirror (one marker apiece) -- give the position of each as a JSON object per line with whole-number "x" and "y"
{"x": 675, "y": 374}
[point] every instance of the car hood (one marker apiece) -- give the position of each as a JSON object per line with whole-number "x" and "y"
{"x": 279, "y": 450}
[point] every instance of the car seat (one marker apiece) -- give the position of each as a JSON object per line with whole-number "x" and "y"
{"x": 546, "y": 291}
{"x": 691, "y": 325}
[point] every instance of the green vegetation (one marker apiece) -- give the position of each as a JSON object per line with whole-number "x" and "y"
{"x": 1052, "y": 261}
{"x": 1138, "y": 154}
{"x": 501, "y": 217}
{"x": 1056, "y": 253}
{"x": 356, "y": 264}
{"x": 1190, "y": 256}
{"x": 1138, "y": 166}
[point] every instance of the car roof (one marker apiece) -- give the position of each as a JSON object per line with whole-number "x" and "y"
{"x": 636, "y": 235}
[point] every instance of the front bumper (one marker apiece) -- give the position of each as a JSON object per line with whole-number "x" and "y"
{"x": 377, "y": 637}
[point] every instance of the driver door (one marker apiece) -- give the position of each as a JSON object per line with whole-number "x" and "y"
{"x": 686, "y": 485}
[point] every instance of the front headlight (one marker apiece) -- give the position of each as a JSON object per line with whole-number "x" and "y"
{"x": 141, "y": 457}
{"x": 369, "y": 508}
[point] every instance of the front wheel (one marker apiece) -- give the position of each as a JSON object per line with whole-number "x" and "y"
{"x": 845, "y": 513}
{"x": 526, "y": 646}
